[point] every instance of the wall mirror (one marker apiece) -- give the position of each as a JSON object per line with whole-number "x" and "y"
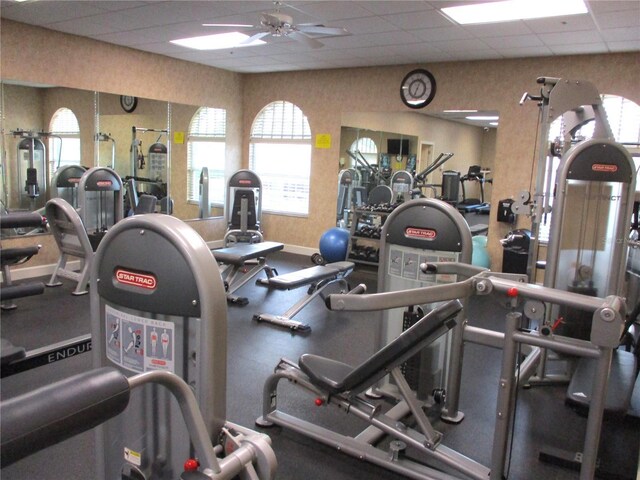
{"x": 44, "y": 127}
{"x": 133, "y": 139}
{"x": 415, "y": 141}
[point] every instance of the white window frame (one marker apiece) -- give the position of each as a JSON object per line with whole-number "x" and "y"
{"x": 278, "y": 125}
{"x": 64, "y": 140}
{"x": 215, "y": 133}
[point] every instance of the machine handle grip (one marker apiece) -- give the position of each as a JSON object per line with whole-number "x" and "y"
{"x": 361, "y": 288}
{"x": 21, "y": 219}
{"x": 53, "y": 413}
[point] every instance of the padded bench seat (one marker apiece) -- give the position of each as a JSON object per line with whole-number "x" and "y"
{"x": 239, "y": 254}
{"x": 336, "y": 377}
{"x": 300, "y": 278}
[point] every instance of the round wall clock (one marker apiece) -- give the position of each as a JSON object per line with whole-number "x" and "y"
{"x": 128, "y": 103}
{"x": 418, "y": 88}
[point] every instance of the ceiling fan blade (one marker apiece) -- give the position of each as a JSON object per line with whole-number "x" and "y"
{"x": 322, "y": 30}
{"x": 254, "y": 37}
{"x": 308, "y": 41}
{"x": 228, "y": 25}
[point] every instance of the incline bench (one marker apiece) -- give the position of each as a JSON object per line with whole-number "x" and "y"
{"x": 318, "y": 277}
{"x": 235, "y": 260}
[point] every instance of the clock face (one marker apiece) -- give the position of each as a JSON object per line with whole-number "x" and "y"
{"x": 128, "y": 103}
{"x": 418, "y": 88}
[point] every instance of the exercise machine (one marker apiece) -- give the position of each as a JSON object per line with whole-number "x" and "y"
{"x": 204, "y": 205}
{"x": 420, "y": 179}
{"x": 65, "y": 181}
{"x": 32, "y": 168}
{"x": 49, "y": 415}
{"x": 243, "y": 208}
{"x": 73, "y": 241}
{"x": 100, "y": 202}
{"x": 401, "y": 185}
{"x": 347, "y": 181}
{"x": 10, "y": 257}
{"x": 335, "y": 384}
{"x": 242, "y": 262}
{"x": 106, "y": 137}
{"x": 419, "y": 231}
{"x": 158, "y": 305}
{"x": 318, "y": 279}
{"x": 474, "y": 174}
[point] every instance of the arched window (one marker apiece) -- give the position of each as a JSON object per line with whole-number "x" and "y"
{"x": 280, "y": 153}
{"x": 64, "y": 142}
{"x": 206, "y": 146}
{"x": 623, "y": 116}
{"x": 367, "y": 147}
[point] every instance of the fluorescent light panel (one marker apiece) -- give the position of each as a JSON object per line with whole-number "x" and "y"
{"x": 217, "y": 41}
{"x": 483, "y": 118}
{"x": 510, "y": 10}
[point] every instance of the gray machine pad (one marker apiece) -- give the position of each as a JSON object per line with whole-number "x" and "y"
{"x": 621, "y": 381}
{"x": 299, "y": 278}
{"x": 239, "y": 254}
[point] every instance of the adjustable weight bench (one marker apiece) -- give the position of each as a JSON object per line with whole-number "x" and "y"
{"x": 318, "y": 277}
{"x": 236, "y": 260}
{"x": 339, "y": 384}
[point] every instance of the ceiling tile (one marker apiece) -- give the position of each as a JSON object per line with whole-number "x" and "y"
{"x": 621, "y": 34}
{"x": 418, "y": 20}
{"x": 570, "y": 38}
{"x": 578, "y": 49}
{"x": 561, "y": 24}
{"x": 515, "y": 41}
{"x": 506, "y": 29}
{"x": 386, "y": 8}
{"x": 440, "y": 34}
{"x": 626, "y": 18}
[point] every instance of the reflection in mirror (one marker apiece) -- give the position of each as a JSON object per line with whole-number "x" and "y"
{"x": 200, "y": 141}
{"x": 44, "y": 128}
{"x": 369, "y": 159}
{"x": 133, "y": 140}
{"x": 442, "y": 149}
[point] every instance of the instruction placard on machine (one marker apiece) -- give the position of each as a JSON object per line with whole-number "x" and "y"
{"x": 137, "y": 343}
{"x": 405, "y": 263}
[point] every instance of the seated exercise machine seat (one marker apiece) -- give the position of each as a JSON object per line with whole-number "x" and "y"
{"x": 318, "y": 278}
{"x": 235, "y": 260}
{"x": 336, "y": 377}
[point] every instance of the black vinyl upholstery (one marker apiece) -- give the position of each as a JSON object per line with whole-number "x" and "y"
{"x": 337, "y": 377}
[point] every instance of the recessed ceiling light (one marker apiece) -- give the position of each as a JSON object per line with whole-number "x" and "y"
{"x": 217, "y": 41}
{"x": 510, "y": 10}
{"x": 483, "y": 117}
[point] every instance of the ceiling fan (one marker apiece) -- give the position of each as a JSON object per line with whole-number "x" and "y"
{"x": 278, "y": 24}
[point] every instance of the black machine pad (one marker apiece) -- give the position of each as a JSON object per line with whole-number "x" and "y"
{"x": 239, "y": 254}
{"x": 621, "y": 381}
{"x": 300, "y": 278}
{"x": 336, "y": 377}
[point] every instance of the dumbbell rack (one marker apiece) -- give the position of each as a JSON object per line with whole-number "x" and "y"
{"x": 364, "y": 238}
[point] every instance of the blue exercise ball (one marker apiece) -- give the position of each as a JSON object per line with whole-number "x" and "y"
{"x": 333, "y": 244}
{"x": 480, "y": 255}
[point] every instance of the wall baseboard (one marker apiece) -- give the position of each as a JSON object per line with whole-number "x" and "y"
{"x": 27, "y": 273}
{"x": 43, "y": 270}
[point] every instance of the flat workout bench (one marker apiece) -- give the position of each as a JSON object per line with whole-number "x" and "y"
{"x": 235, "y": 260}
{"x": 318, "y": 277}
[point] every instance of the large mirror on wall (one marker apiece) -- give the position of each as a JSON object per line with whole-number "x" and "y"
{"x": 133, "y": 139}
{"x": 44, "y": 128}
{"x": 445, "y": 155}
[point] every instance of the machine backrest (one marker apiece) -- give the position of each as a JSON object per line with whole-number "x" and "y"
{"x": 67, "y": 228}
{"x": 380, "y": 194}
{"x": 247, "y": 196}
{"x": 426, "y": 330}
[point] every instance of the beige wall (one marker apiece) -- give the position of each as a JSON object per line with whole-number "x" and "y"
{"x": 325, "y": 96}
